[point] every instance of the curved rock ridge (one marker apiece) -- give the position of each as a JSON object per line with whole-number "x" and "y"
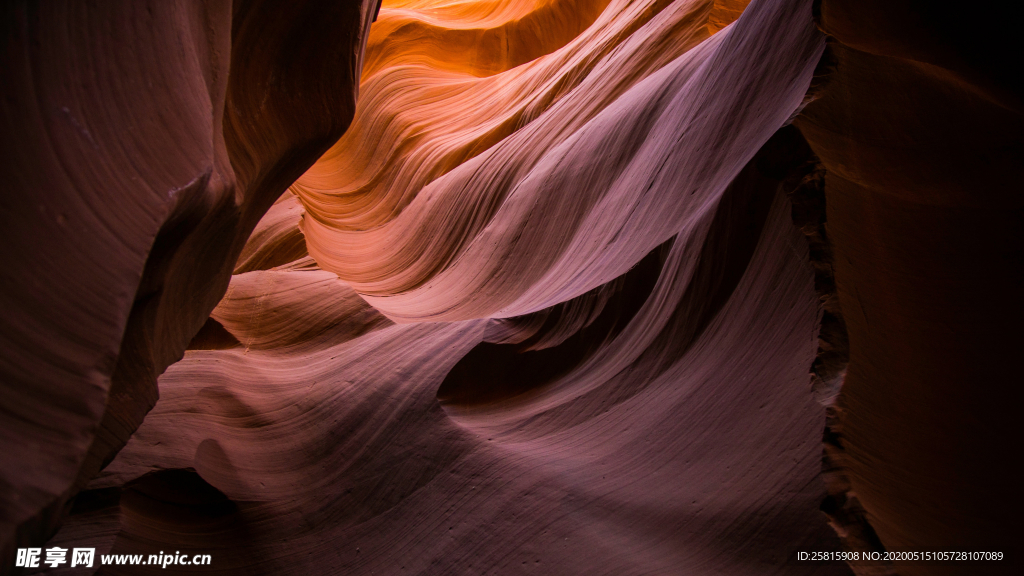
{"x": 500, "y": 236}
{"x": 278, "y": 309}
{"x": 407, "y": 132}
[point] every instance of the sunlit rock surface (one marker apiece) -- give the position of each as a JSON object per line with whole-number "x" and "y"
{"x": 579, "y": 290}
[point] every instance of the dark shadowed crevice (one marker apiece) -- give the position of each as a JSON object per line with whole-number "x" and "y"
{"x": 845, "y": 513}
{"x": 213, "y": 336}
{"x": 492, "y": 372}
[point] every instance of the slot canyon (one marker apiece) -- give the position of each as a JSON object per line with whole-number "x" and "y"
{"x": 510, "y": 287}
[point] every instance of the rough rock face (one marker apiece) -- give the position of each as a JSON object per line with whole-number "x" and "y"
{"x": 920, "y": 131}
{"x": 542, "y": 309}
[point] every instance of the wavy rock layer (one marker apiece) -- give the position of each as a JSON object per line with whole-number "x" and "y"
{"x": 650, "y": 453}
{"x": 539, "y": 328}
{"x": 541, "y": 309}
{"x": 566, "y": 202}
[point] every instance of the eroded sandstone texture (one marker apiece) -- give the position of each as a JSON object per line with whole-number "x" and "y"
{"x": 143, "y": 142}
{"x": 545, "y": 287}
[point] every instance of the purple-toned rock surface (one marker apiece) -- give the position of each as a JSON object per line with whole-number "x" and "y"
{"x": 548, "y": 287}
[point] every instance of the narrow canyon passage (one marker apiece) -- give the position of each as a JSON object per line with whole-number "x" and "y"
{"x": 479, "y": 287}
